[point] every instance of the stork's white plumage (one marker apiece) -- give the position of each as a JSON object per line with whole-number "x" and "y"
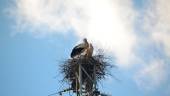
{"x": 79, "y": 49}
{"x": 84, "y": 48}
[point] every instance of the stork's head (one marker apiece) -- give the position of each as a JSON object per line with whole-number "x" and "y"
{"x": 85, "y": 40}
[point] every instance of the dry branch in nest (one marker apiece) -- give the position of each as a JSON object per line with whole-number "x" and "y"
{"x": 70, "y": 69}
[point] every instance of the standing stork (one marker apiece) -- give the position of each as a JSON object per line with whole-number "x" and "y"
{"x": 84, "y": 48}
{"x": 89, "y": 51}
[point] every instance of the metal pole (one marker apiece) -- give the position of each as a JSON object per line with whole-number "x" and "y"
{"x": 77, "y": 83}
{"x": 94, "y": 74}
{"x": 80, "y": 79}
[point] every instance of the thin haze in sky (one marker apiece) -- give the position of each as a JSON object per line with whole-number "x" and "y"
{"x": 37, "y": 35}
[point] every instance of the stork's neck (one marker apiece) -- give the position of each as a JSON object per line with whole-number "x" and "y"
{"x": 85, "y": 41}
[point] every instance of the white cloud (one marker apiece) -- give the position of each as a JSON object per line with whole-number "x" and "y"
{"x": 152, "y": 75}
{"x": 107, "y": 23}
{"x": 157, "y": 22}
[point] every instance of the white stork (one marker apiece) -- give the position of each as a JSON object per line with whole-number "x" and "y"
{"x": 84, "y": 48}
{"x": 89, "y": 50}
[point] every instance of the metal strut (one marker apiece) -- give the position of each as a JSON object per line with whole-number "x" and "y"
{"x": 80, "y": 79}
{"x": 93, "y": 79}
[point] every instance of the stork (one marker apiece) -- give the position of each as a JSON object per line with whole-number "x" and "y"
{"x": 84, "y": 48}
{"x": 89, "y": 51}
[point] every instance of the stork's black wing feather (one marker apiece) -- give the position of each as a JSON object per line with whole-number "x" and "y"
{"x": 76, "y": 50}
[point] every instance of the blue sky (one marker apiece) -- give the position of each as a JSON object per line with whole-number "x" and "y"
{"x": 32, "y": 48}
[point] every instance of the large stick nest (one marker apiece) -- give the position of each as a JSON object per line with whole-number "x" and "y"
{"x": 70, "y": 67}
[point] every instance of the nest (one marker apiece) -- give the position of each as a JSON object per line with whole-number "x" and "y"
{"x": 70, "y": 70}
